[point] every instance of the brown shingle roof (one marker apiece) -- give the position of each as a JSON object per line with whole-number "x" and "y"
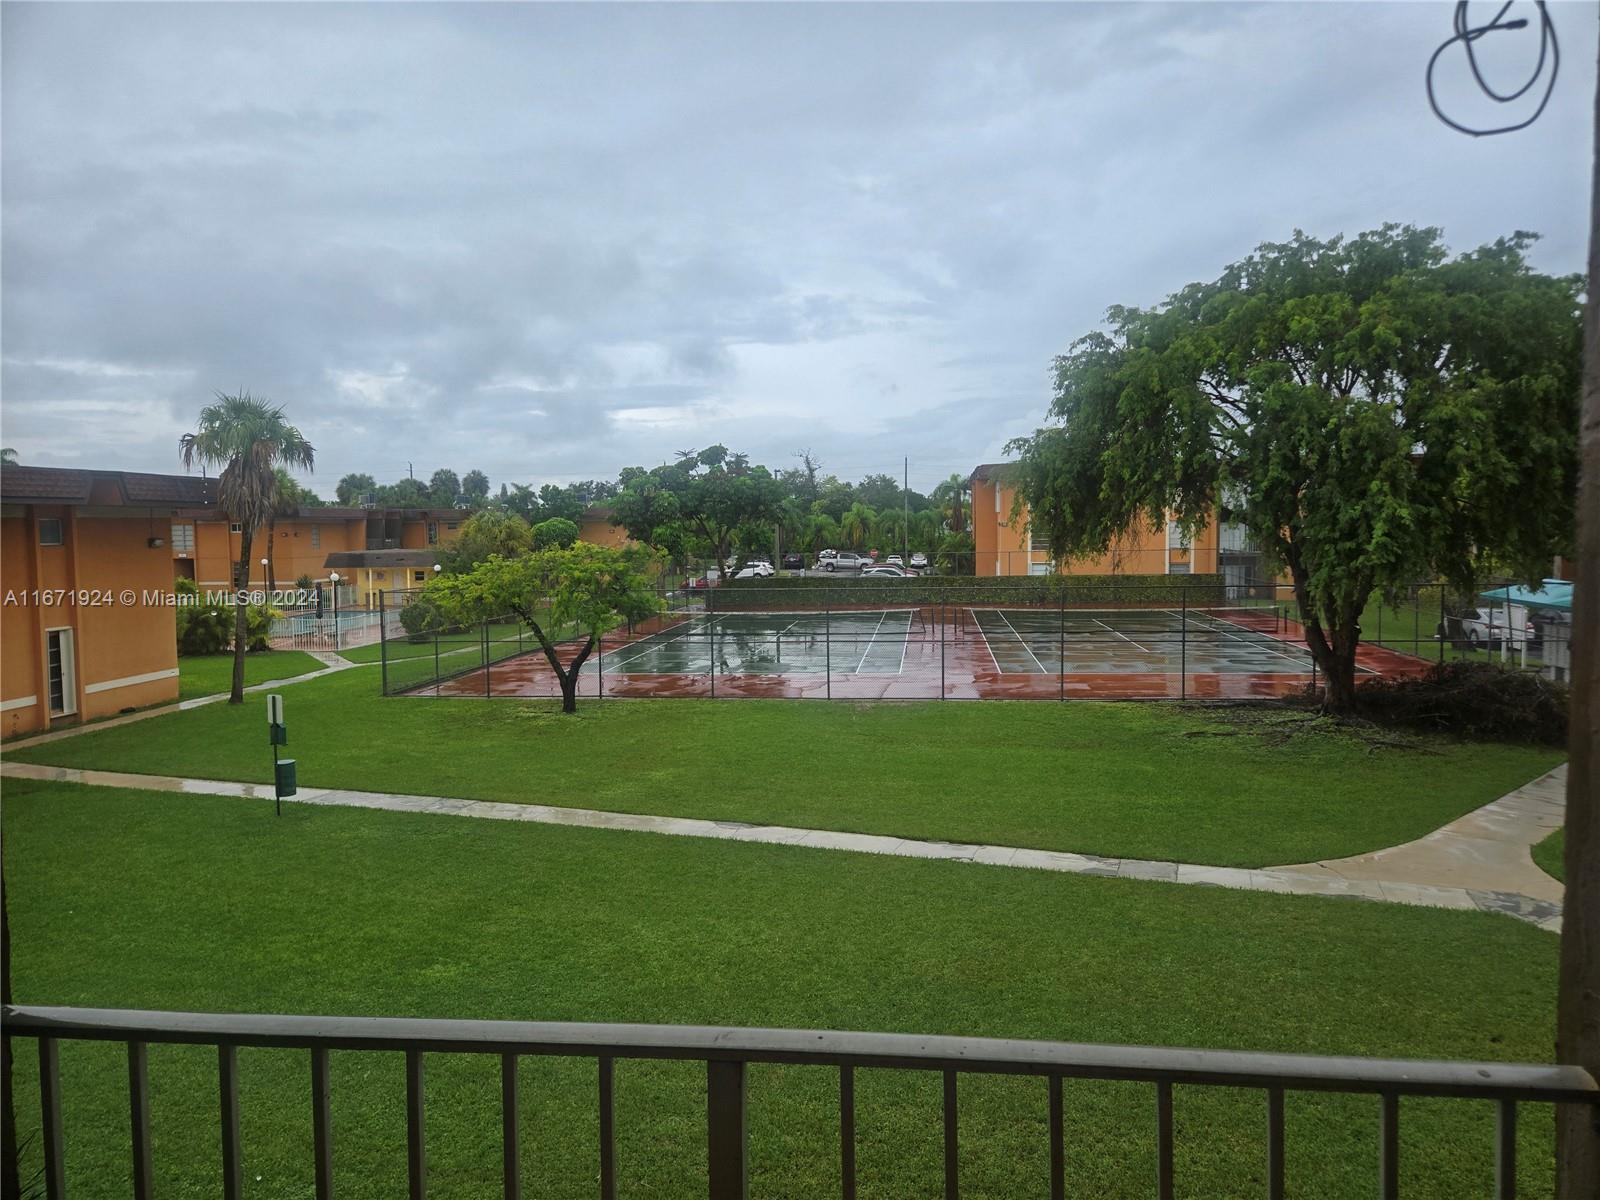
{"x": 70, "y": 485}
{"x": 988, "y": 471}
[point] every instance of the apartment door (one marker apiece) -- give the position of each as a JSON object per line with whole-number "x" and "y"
{"x": 61, "y": 672}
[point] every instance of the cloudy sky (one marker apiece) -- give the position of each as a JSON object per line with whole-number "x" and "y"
{"x": 551, "y": 241}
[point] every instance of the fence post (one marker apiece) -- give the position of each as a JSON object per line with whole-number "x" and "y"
{"x": 944, "y": 620}
{"x": 727, "y": 1136}
{"x": 487, "y": 693}
{"x": 827, "y": 648}
{"x": 383, "y": 640}
{"x": 1183, "y": 643}
{"x": 1061, "y": 612}
{"x": 1444, "y": 630}
{"x": 436, "y": 658}
{"x": 711, "y": 632}
{"x": 600, "y": 666}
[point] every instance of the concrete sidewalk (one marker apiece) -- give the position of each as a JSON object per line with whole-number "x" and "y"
{"x": 1478, "y": 862}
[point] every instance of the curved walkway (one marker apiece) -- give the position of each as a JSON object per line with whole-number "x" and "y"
{"x": 332, "y": 664}
{"x": 1480, "y": 861}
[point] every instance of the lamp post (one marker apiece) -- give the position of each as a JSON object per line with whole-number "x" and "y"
{"x": 264, "y": 581}
{"x": 333, "y": 578}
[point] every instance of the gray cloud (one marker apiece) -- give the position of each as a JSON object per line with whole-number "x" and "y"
{"x": 551, "y": 241}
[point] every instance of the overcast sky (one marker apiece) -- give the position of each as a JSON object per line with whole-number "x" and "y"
{"x": 552, "y": 241}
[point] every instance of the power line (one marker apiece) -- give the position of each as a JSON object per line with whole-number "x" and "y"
{"x": 1467, "y": 36}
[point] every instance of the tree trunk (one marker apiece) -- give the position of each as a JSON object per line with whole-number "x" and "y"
{"x": 567, "y": 676}
{"x": 272, "y": 557}
{"x": 241, "y": 634}
{"x": 1332, "y": 642}
{"x": 1578, "y": 993}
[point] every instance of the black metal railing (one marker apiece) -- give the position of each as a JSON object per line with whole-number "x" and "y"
{"x": 728, "y": 1051}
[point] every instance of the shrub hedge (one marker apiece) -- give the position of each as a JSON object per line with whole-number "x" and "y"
{"x": 1108, "y": 590}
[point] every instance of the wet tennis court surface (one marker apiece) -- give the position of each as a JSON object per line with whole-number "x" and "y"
{"x": 940, "y": 651}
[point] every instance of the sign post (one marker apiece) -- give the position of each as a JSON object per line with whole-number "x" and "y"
{"x": 283, "y": 780}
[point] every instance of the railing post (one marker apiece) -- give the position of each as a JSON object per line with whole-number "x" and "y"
{"x": 608, "y": 1130}
{"x": 321, "y": 1124}
{"x": 1389, "y": 1147}
{"x": 847, "y": 1132}
{"x": 944, "y": 619}
{"x": 1061, "y": 614}
{"x": 228, "y": 1088}
{"x": 1505, "y": 1150}
{"x": 1058, "y": 1141}
{"x": 1164, "y": 1175}
{"x": 952, "y": 1160}
{"x": 510, "y": 1144}
{"x": 416, "y": 1141}
{"x": 55, "y": 1161}
{"x": 727, "y": 1136}
{"x": 139, "y": 1121}
{"x": 1274, "y": 1144}
{"x": 487, "y": 691}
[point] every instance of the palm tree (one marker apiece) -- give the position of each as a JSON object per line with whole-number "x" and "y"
{"x": 856, "y": 525}
{"x": 247, "y": 439}
{"x": 8, "y": 456}
{"x": 822, "y": 531}
{"x": 950, "y": 497}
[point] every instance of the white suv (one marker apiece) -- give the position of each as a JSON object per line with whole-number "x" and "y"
{"x": 845, "y": 562}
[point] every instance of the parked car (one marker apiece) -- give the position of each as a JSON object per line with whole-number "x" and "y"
{"x": 894, "y": 560}
{"x": 919, "y": 560}
{"x": 794, "y": 562}
{"x": 1487, "y": 627}
{"x": 844, "y": 562}
{"x": 886, "y": 569}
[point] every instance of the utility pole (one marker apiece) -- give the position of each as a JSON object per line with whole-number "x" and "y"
{"x": 1578, "y": 996}
{"x": 905, "y": 507}
{"x": 410, "y": 474}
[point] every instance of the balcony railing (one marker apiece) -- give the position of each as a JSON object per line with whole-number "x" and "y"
{"x": 726, "y": 1053}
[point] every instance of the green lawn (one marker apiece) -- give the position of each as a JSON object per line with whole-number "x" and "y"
{"x": 130, "y": 899}
{"x": 1138, "y": 780}
{"x": 208, "y": 674}
{"x": 1550, "y": 855}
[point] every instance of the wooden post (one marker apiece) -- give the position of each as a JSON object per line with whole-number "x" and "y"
{"x": 1578, "y": 1000}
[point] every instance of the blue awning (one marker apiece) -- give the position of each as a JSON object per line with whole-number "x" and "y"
{"x": 1553, "y": 594}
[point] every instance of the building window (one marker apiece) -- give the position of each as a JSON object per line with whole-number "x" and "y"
{"x": 1176, "y": 538}
{"x": 1038, "y": 543}
{"x": 316, "y": 537}
{"x": 450, "y": 525}
{"x": 50, "y": 531}
{"x": 235, "y": 528}
{"x": 1178, "y": 567}
{"x": 183, "y": 537}
{"x": 1039, "y": 568}
{"x": 433, "y": 533}
{"x": 419, "y": 576}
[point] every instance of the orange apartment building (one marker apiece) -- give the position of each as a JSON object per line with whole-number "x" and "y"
{"x": 595, "y": 527}
{"x": 86, "y": 629}
{"x": 205, "y": 545}
{"x": 1006, "y": 546}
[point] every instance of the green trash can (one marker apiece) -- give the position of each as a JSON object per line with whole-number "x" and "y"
{"x": 283, "y": 781}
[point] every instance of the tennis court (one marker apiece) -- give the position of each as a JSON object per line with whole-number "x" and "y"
{"x": 1240, "y": 640}
{"x": 930, "y": 651}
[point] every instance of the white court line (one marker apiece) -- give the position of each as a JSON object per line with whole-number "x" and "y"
{"x": 1025, "y": 645}
{"x": 652, "y": 642}
{"x": 870, "y": 640}
{"x": 1123, "y": 636}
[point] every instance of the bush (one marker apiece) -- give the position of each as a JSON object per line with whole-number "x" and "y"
{"x": 206, "y": 627}
{"x": 556, "y": 533}
{"x": 421, "y": 619}
{"x": 1093, "y": 591}
{"x": 1476, "y": 700}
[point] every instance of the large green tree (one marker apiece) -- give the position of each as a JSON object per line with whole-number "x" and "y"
{"x": 1372, "y": 410}
{"x": 583, "y": 588}
{"x": 482, "y": 536}
{"x": 246, "y": 439}
{"x": 354, "y": 486}
{"x": 711, "y": 495}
